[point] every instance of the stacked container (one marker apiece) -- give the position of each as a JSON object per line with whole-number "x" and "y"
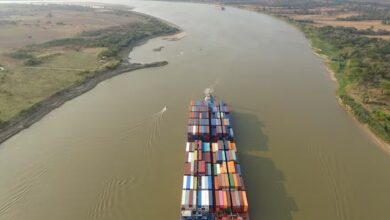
{"x": 227, "y": 171}
{"x": 213, "y": 187}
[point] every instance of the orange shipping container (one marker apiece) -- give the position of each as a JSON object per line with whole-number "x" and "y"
{"x": 216, "y": 183}
{"x": 225, "y": 201}
{"x": 235, "y": 180}
{"x": 232, "y": 145}
{"x": 223, "y": 168}
{"x": 231, "y": 167}
{"x": 245, "y": 202}
{"x": 214, "y": 147}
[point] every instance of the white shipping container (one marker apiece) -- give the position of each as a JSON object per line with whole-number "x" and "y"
{"x": 189, "y": 182}
{"x": 205, "y": 198}
{"x": 191, "y": 179}
{"x": 194, "y": 198}
{"x": 184, "y": 182}
{"x": 190, "y": 157}
{"x": 183, "y": 198}
{"x": 186, "y": 202}
{"x": 217, "y": 169}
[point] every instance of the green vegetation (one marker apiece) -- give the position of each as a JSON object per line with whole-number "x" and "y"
{"x": 38, "y": 71}
{"x": 33, "y": 61}
{"x": 115, "y": 38}
{"x": 362, "y": 67}
{"x": 21, "y": 54}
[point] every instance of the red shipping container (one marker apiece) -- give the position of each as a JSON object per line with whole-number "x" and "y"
{"x": 195, "y": 168}
{"x": 202, "y": 167}
{"x": 241, "y": 209}
{"x": 198, "y": 145}
{"x": 207, "y": 157}
{"x": 190, "y": 201}
{"x": 187, "y": 169}
{"x": 200, "y": 155}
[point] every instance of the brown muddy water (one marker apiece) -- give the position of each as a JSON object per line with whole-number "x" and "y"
{"x": 113, "y": 154}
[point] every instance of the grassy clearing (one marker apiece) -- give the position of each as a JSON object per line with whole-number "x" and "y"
{"x": 22, "y": 86}
{"x": 34, "y": 72}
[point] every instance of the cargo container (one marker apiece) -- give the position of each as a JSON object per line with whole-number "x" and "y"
{"x": 213, "y": 186}
{"x": 206, "y": 146}
{"x": 190, "y": 182}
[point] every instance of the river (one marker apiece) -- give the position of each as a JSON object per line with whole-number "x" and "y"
{"x": 113, "y": 154}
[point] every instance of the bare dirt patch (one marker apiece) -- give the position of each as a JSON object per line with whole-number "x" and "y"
{"x": 324, "y": 16}
{"x": 22, "y": 25}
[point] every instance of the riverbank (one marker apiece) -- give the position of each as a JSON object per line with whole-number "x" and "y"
{"x": 351, "y": 93}
{"x": 332, "y": 74}
{"x": 43, "y": 108}
{"x": 107, "y": 51}
{"x": 361, "y": 98}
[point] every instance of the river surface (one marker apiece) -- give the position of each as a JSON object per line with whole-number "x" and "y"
{"x": 113, "y": 154}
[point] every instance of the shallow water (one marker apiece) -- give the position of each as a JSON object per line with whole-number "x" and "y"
{"x": 113, "y": 154}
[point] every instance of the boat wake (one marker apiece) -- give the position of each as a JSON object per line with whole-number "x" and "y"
{"x": 145, "y": 123}
{"x": 24, "y": 184}
{"x": 335, "y": 182}
{"x": 210, "y": 89}
{"x": 108, "y": 205}
{"x": 155, "y": 129}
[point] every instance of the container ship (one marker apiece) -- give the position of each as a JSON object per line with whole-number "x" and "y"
{"x": 213, "y": 187}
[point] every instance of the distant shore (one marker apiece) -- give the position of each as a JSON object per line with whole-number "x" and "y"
{"x": 32, "y": 115}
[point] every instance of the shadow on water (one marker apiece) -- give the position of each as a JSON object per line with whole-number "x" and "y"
{"x": 268, "y": 199}
{"x": 248, "y": 132}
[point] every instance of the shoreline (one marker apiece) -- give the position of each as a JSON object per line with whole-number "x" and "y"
{"x": 325, "y": 60}
{"x": 44, "y": 107}
{"x": 377, "y": 140}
